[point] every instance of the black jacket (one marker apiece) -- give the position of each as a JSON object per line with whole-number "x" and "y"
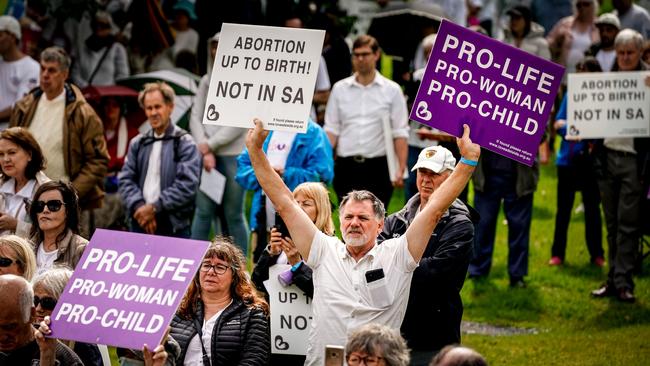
{"x": 302, "y": 277}
{"x": 435, "y": 309}
{"x": 241, "y": 335}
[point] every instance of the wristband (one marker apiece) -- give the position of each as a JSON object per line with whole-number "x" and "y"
{"x": 296, "y": 266}
{"x": 469, "y": 162}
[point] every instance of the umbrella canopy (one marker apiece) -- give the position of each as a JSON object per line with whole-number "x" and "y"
{"x": 185, "y": 85}
{"x": 399, "y": 27}
{"x": 95, "y": 95}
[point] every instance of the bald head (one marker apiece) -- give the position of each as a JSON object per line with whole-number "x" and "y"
{"x": 458, "y": 356}
{"x": 16, "y": 308}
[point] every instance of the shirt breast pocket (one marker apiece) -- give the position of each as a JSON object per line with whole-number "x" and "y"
{"x": 377, "y": 285}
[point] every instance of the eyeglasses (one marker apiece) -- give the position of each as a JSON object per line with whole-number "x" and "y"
{"x": 355, "y": 360}
{"x": 6, "y": 262}
{"x": 52, "y": 205}
{"x": 218, "y": 268}
{"x": 47, "y": 303}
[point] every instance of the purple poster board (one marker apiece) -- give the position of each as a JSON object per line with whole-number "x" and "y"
{"x": 503, "y": 93}
{"x": 126, "y": 288}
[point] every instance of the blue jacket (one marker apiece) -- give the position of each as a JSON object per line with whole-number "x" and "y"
{"x": 569, "y": 150}
{"x": 179, "y": 175}
{"x": 310, "y": 160}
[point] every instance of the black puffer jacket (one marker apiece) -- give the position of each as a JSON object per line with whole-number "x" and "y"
{"x": 434, "y": 310}
{"x": 241, "y": 335}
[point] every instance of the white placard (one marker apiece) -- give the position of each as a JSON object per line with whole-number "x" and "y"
{"x": 213, "y": 184}
{"x": 264, "y": 72}
{"x": 291, "y": 315}
{"x": 611, "y": 104}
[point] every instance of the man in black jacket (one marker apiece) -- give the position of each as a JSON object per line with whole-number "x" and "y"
{"x": 435, "y": 309}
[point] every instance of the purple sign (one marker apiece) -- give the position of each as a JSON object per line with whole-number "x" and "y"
{"x": 126, "y": 289}
{"x": 503, "y": 93}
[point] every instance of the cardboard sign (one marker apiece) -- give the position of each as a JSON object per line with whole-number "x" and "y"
{"x": 611, "y": 104}
{"x": 264, "y": 72}
{"x": 290, "y": 315}
{"x": 126, "y": 289}
{"x": 503, "y": 93}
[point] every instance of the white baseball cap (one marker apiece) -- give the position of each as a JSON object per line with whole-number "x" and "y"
{"x": 435, "y": 158}
{"x": 11, "y": 25}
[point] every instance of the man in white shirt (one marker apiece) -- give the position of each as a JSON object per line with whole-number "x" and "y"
{"x": 355, "y": 121}
{"x": 18, "y": 72}
{"x": 357, "y": 282}
{"x": 160, "y": 176}
{"x": 608, "y": 27}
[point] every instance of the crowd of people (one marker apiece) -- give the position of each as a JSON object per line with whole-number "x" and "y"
{"x": 69, "y": 166}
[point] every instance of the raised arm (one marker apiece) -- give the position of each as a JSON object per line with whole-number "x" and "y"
{"x": 420, "y": 230}
{"x": 300, "y": 226}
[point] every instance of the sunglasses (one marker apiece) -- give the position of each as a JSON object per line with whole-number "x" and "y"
{"x": 52, "y": 205}
{"x": 6, "y": 262}
{"x": 47, "y": 303}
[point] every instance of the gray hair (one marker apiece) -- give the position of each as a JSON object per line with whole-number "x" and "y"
{"x": 363, "y": 195}
{"x": 455, "y": 355}
{"x": 381, "y": 341}
{"x": 627, "y": 36}
{"x": 53, "y": 280}
{"x": 58, "y": 55}
{"x": 164, "y": 89}
{"x": 24, "y": 254}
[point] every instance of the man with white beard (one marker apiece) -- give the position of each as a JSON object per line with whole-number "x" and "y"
{"x": 358, "y": 282}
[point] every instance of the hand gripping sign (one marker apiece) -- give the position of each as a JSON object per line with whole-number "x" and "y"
{"x": 263, "y": 72}
{"x": 503, "y": 93}
{"x": 126, "y": 288}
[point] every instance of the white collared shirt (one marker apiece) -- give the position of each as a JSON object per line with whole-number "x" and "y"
{"x": 47, "y": 129}
{"x": 14, "y": 204}
{"x": 151, "y": 189}
{"x": 194, "y": 353}
{"x": 354, "y": 113}
{"x": 344, "y": 301}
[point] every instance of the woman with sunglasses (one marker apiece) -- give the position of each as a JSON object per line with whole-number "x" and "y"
{"x": 55, "y": 210}
{"x": 222, "y": 319}
{"x": 48, "y": 287}
{"x": 21, "y": 165}
{"x": 17, "y": 257}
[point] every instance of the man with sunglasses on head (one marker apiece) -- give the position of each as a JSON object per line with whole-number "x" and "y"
{"x": 20, "y": 343}
{"x": 69, "y": 132}
{"x": 354, "y": 122}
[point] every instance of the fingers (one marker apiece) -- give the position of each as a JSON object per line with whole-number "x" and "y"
{"x": 465, "y": 131}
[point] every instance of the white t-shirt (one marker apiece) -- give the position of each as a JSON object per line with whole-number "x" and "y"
{"x": 580, "y": 43}
{"x": 17, "y": 78}
{"x": 151, "y": 189}
{"x": 186, "y": 40}
{"x": 194, "y": 354}
{"x": 343, "y": 300}
{"x": 606, "y": 59}
{"x": 277, "y": 152}
{"x": 47, "y": 128}
{"x": 44, "y": 260}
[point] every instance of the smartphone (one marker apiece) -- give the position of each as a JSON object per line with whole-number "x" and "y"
{"x": 374, "y": 275}
{"x": 334, "y": 355}
{"x": 280, "y": 226}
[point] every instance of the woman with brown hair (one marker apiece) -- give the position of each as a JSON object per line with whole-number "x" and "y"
{"x": 222, "y": 320}
{"x": 21, "y": 165}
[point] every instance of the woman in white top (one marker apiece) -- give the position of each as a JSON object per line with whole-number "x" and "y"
{"x": 21, "y": 162}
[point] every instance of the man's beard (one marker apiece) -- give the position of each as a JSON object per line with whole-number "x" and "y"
{"x": 355, "y": 241}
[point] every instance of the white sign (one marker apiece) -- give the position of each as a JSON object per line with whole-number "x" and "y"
{"x": 213, "y": 184}
{"x": 612, "y": 104}
{"x": 290, "y": 315}
{"x": 264, "y": 72}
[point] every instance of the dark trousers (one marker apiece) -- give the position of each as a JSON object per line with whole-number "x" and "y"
{"x": 518, "y": 211}
{"x": 352, "y": 173}
{"x": 163, "y": 227}
{"x": 621, "y": 194}
{"x": 570, "y": 179}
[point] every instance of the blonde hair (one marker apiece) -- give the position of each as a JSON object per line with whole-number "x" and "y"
{"x": 24, "y": 254}
{"x": 317, "y": 192}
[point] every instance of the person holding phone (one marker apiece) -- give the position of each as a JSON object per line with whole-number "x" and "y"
{"x": 357, "y": 282}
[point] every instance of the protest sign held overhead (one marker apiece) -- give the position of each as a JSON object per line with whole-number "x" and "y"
{"x": 263, "y": 72}
{"x": 126, "y": 288}
{"x": 613, "y": 104}
{"x": 291, "y": 314}
{"x": 503, "y": 93}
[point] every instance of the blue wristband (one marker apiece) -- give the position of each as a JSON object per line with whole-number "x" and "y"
{"x": 469, "y": 162}
{"x": 296, "y": 266}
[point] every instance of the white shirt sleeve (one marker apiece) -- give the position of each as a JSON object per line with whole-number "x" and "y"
{"x": 399, "y": 115}
{"x": 332, "y": 114}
